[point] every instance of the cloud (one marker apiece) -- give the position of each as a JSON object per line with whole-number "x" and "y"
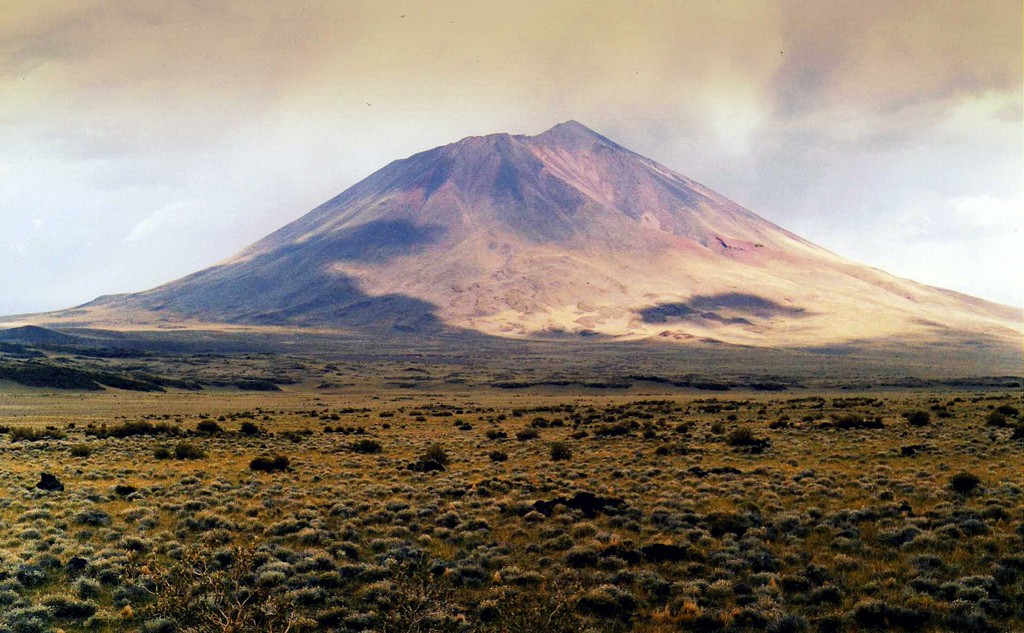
{"x": 166, "y": 218}
{"x": 883, "y": 57}
{"x": 989, "y": 212}
{"x": 203, "y": 125}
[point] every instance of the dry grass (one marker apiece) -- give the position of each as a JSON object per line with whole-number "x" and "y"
{"x": 828, "y": 528}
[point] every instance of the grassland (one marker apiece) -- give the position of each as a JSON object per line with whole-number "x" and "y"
{"x": 411, "y": 497}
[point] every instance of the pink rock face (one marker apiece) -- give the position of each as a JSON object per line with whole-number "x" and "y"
{"x": 565, "y": 231}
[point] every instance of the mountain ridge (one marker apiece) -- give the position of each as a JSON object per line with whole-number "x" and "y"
{"x": 564, "y": 231}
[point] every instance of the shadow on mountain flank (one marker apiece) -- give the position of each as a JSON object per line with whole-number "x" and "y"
{"x": 707, "y": 307}
{"x": 375, "y": 241}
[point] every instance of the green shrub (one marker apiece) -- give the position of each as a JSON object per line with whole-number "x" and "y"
{"x": 27, "y": 434}
{"x": 132, "y": 428}
{"x": 918, "y": 418}
{"x": 435, "y": 453}
{"x": 209, "y": 427}
{"x": 853, "y": 420}
{"x": 742, "y": 437}
{"x": 964, "y": 482}
{"x": 66, "y": 607}
{"x": 560, "y": 451}
{"x": 187, "y": 450}
{"x": 607, "y": 602}
{"x": 81, "y": 450}
{"x": 366, "y": 446}
{"x": 997, "y": 419}
{"x": 527, "y": 434}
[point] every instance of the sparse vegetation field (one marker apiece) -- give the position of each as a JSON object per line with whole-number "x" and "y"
{"x": 495, "y": 510}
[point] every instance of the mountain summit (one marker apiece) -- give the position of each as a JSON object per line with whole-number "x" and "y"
{"x": 562, "y": 232}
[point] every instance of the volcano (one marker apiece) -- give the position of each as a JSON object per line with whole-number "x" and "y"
{"x": 563, "y": 233}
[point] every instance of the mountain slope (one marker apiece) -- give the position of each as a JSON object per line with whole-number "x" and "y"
{"x": 565, "y": 231}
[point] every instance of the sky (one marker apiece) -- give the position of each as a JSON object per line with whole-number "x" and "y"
{"x": 141, "y": 140}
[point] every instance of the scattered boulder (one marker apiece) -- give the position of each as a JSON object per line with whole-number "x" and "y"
{"x": 277, "y": 463}
{"x": 426, "y": 466}
{"x": 49, "y": 482}
{"x": 586, "y": 502}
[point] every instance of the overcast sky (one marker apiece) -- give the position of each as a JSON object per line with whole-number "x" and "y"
{"x": 142, "y": 140}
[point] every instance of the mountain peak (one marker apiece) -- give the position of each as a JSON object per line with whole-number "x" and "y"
{"x": 574, "y": 135}
{"x": 571, "y": 126}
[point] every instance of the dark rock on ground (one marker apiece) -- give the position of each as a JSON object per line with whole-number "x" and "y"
{"x": 50, "y": 482}
{"x": 660, "y": 552}
{"x": 586, "y": 502}
{"x": 426, "y": 466}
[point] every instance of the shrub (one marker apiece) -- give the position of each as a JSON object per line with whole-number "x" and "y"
{"x": 997, "y": 419}
{"x": 527, "y": 434}
{"x": 435, "y": 453}
{"x": 742, "y": 437}
{"x": 209, "y": 426}
{"x": 918, "y": 418}
{"x": 498, "y": 456}
{"x": 789, "y": 624}
{"x": 161, "y": 452}
{"x": 560, "y": 451}
{"x": 159, "y": 625}
{"x": 270, "y": 464}
{"x": 132, "y": 428}
{"x": 81, "y": 450}
{"x": 26, "y": 434}
{"x": 964, "y": 482}
{"x": 93, "y": 517}
{"x": 69, "y": 608}
{"x": 581, "y": 555}
{"x": 190, "y": 594}
{"x": 607, "y": 601}
{"x": 366, "y": 446}
{"x": 880, "y": 615}
{"x": 87, "y": 588}
{"x": 249, "y": 428}
{"x": 614, "y": 430}
{"x": 852, "y": 420}
{"x": 187, "y": 450}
